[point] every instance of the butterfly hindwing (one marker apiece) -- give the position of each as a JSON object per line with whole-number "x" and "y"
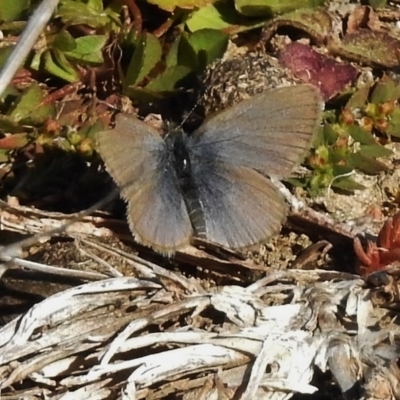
{"x": 240, "y": 206}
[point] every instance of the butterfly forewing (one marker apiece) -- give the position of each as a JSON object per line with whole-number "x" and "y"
{"x": 129, "y": 151}
{"x": 137, "y": 159}
{"x": 270, "y": 132}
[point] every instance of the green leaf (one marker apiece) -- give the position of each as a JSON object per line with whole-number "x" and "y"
{"x": 198, "y": 49}
{"x": 394, "y": 123}
{"x": 171, "y": 60}
{"x": 340, "y": 170}
{"x": 142, "y": 95}
{"x": 8, "y": 125}
{"x": 337, "y": 177}
{"x": 347, "y": 184}
{"x": 29, "y": 107}
{"x": 89, "y": 129}
{"x": 170, "y": 5}
{"x": 182, "y": 53}
{"x": 146, "y": 56}
{"x": 375, "y": 150}
{"x": 162, "y": 86}
{"x": 371, "y": 47}
{"x": 13, "y": 28}
{"x": 77, "y": 13}
{"x": 56, "y": 64}
{"x": 369, "y": 165}
{"x": 11, "y": 10}
{"x": 385, "y": 90}
{"x": 4, "y": 156}
{"x": 329, "y": 135}
{"x": 5, "y": 53}
{"x": 221, "y": 16}
{"x": 298, "y": 182}
{"x": 360, "y": 135}
{"x": 64, "y": 41}
{"x": 321, "y": 179}
{"x": 256, "y": 8}
{"x": 88, "y": 49}
{"x": 95, "y": 5}
{"x": 319, "y": 139}
{"x": 169, "y": 80}
{"x": 215, "y": 16}
{"x": 338, "y": 155}
{"x": 359, "y": 98}
{"x": 208, "y": 44}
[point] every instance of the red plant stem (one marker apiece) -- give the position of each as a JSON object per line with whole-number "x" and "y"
{"x": 21, "y": 78}
{"x": 137, "y": 15}
{"x": 22, "y": 74}
{"x": 163, "y": 28}
{"x": 60, "y": 93}
{"x": 390, "y": 256}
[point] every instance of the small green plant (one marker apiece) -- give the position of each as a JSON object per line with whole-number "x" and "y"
{"x": 354, "y": 138}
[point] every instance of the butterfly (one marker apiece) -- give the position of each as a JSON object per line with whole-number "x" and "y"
{"x": 214, "y": 183}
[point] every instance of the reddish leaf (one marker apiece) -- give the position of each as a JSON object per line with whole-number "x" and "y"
{"x": 14, "y": 141}
{"x": 326, "y": 73}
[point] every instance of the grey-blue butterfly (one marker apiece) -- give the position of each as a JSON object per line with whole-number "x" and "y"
{"x": 212, "y": 184}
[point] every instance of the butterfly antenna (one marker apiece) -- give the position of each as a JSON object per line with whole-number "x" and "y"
{"x": 186, "y": 117}
{"x": 189, "y": 114}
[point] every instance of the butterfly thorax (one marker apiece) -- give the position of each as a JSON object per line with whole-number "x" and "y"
{"x": 181, "y": 160}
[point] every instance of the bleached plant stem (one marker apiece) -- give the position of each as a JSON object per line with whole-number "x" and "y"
{"x": 26, "y": 41}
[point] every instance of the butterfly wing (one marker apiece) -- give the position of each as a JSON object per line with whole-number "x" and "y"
{"x": 137, "y": 159}
{"x": 240, "y": 206}
{"x": 270, "y": 132}
{"x": 230, "y": 154}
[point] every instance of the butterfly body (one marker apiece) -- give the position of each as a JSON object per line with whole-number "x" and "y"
{"x": 177, "y": 144}
{"x": 213, "y": 183}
